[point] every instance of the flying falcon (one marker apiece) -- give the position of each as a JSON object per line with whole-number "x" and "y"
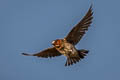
{"x": 66, "y": 46}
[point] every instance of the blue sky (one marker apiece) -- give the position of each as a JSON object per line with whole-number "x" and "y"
{"x": 31, "y": 25}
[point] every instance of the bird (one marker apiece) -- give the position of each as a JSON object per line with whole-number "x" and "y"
{"x": 66, "y": 46}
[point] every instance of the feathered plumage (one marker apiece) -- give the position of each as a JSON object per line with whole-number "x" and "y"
{"x": 66, "y": 46}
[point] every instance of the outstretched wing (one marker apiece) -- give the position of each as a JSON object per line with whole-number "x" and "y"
{"x": 50, "y": 52}
{"x": 78, "y": 31}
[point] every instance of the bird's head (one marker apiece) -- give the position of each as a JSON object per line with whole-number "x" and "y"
{"x": 57, "y": 42}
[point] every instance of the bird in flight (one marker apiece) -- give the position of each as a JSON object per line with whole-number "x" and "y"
{"x": 66, "y": 46}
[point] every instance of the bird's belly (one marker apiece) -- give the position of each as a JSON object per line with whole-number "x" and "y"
{"x": 68, "y": 50}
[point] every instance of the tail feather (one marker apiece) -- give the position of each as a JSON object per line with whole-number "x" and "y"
{"x": 72, "y": 60}
{"x": 82, "y": 53}
{"x": 69, "y": 61}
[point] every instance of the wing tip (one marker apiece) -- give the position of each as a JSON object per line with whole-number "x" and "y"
{"x": 91, "y": 8}
{"x": 91, "y": 5}
{"x": 27, "y": 54}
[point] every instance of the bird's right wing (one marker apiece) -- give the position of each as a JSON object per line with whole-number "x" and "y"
{"x": 50, "y": 52}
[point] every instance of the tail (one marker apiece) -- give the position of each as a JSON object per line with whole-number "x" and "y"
{"x": 72, "y": 60}
{"x": 83, "y": 53}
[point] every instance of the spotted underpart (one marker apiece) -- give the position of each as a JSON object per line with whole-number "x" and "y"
{"x": 64, "y": 47}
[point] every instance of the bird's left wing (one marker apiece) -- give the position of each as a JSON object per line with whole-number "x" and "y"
{"x": 50, "y": 52}
{"x": 78, "y": 31}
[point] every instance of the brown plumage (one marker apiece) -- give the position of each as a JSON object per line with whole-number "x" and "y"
{"x": 50, "y": 52}
{"x": 66, "y": 46}
{"x": 78, "y": 31}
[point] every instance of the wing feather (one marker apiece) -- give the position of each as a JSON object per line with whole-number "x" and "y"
{"x": 50, "y": 52}
{"x": 79, "y": 30}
